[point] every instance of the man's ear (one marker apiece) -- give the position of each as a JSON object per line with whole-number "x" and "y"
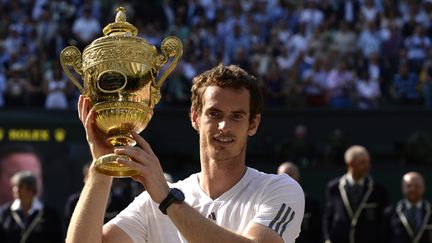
{"x": 194, "y": 119}
{"x": 254, "y": 124}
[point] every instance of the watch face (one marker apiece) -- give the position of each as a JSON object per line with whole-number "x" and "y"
{"x": 177, "y": 194}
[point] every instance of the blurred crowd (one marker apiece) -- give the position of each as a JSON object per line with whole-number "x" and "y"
{"x": 361, "y": 54}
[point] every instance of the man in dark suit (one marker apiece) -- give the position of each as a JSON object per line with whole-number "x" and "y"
{"x": 311, "y": 227}
{"x": 409, "y": 220}
{"x": 355, "y": 202}
{"x": 26, "y": 219}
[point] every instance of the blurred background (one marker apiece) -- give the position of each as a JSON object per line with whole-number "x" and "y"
{"x": 334, "y": 73}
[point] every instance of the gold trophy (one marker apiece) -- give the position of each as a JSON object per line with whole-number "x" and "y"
{"x": 119, "y": 72}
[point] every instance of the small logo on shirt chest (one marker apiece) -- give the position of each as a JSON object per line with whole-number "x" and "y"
{"x": 212, "y": 216}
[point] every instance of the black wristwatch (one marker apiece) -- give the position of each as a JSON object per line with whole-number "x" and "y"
{"x": 174, "y": 195}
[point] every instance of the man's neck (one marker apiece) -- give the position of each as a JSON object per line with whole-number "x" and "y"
{"x": 218, "y": 177}
{"x": 355, "y": 179}
{"x": 26, "y": 206}
{"x": 414, "y": 203}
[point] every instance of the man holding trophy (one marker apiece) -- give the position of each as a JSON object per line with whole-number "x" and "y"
{"x": 225, "y": 202}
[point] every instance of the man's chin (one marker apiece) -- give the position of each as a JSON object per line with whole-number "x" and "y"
{"x": 220, "y": 154}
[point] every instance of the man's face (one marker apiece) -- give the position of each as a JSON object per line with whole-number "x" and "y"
{"x": 23, "y": 193}
{"x": 361, "y": 166}
{"x": 13, "y": 164}
{"x": 413, "y": 188}
{"x": 224, "y": 124}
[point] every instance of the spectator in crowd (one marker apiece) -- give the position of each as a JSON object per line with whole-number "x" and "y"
{"x": 86, "y": 28}
{"x": 409, "y": 219}
{"x": 55, "y": 88}
{"x": 300, "y": 148}
{"x": 413, "y": 15}
{"x": 354, "y": 202}
{"x": 314, "y": 83}
{"x": 274, "y": 93}
{"x": 339, "y": 85}
{"x": 46, "y": 28}
{"x": 15, "y": 158}
{"x": 418, "y": 45}
{"x": 408, "y": 18}
{"x": 335, "y": 148}
{"x": 373, "y": 67}
{"x": 368, "y": 92}
{"x": 369, "y": 12}
{"x": 311, "y": 227}
{"x": 319, "y": 42}
{"x": 348, "y": 11}
{"x": 35, "y": 89}
{"x": 391, "y": 48}
{"x": 285, "y": 60}
{"x": 234, "y": 40}
{"x": 13, "y": 41}
{"x": 311, "y": 15}
{"x": 369, "y": 40}
{"x": 298, "y": 42}
{"x": 404, "y": 87}
{"x": 16, "y": 86}
{"x": 27, "y": 218}
{"x": 344, "y": 40}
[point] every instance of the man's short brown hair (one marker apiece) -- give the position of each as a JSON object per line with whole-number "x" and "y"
{"x": 227, "y": 77}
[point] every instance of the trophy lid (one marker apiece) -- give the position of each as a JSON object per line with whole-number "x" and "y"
{"x": 120, "y": 26}
{"x": 120, "y": 43}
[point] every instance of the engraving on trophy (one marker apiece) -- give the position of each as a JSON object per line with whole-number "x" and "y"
{"x": 119, "y": 72}
{"x": 111, "y": 81}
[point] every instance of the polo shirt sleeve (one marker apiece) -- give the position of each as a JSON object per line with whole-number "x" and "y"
{"x": 282, "y": 207}
{"x": 133, "y": 219}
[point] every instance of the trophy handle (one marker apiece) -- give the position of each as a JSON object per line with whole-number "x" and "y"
{"x": 171, "y": 46}
{"x": 71, "y": 56}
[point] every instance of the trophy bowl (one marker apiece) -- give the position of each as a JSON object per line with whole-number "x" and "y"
{"x": 119, "y": 73}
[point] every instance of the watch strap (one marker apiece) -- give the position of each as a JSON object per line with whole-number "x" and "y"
{"x": 174, "y": 195}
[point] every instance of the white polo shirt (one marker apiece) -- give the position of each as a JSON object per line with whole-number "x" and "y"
{"x": 275, "y": 201}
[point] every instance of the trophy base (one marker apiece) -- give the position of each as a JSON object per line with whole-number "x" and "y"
{"x": 108, "y": 165}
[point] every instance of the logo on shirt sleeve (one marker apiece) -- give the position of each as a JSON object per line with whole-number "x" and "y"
{"x": 284, "y": 216}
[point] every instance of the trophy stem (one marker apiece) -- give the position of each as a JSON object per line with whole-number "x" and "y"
{"x": 108, "y": 164}
{"x": 121, "y": 140}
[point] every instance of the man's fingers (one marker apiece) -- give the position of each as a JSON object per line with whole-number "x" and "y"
{"x": 84, "y": 105}
{"x": 132, "y": 164}
{"x": 88, "y": 123}
{"x": 80, "y": 104}
{"x": 138, "y": 154}
{"x": 142, "y": 143}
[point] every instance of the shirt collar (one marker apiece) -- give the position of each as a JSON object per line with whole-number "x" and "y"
{"x": 351, "y": 181}
{"x": 409, "y": 205}
{"x": 36, "y": 205}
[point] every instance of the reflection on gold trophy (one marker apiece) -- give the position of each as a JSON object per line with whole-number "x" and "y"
{"x": 119, "y": 72}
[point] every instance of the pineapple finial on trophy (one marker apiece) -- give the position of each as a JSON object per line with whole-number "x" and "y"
{"x": 120, "y": 26}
